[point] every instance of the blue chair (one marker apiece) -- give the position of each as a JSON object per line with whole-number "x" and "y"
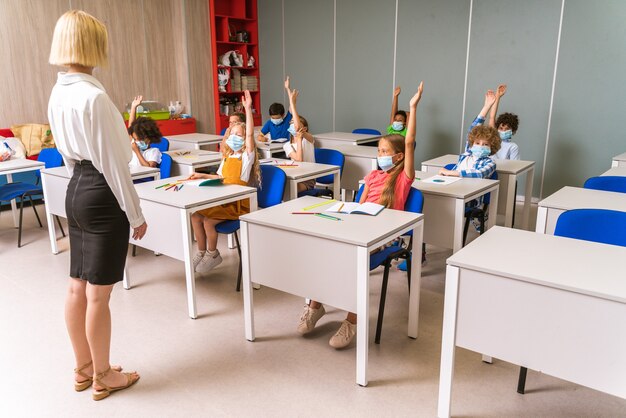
{"x": 269, "y": 194}
{"x": 607, "y": 183}
{"x": 414, "y": 203}
{"x": 165, "y": 166}
{"x": 366, "y": 131}
{"x": 223, "y": 131}
{"x": 51, "y": 158}
{"x": 325, "y": 156}
{"x": 597, "y": 225}
{"x": 163, "y": 146}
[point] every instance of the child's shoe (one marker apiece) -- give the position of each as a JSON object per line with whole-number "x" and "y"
{"x": 309, "y": 318}
{"x": 344, "y": 336}
{"x": 197, "y": 258}
{"x": 209, "y": 261}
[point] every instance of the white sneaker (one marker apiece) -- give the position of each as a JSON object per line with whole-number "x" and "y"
{"x": 209, "y": 262}
{"x": 344, "y": 336}
{"x": 309, "y": 318}
{"x": 196, "y": 259}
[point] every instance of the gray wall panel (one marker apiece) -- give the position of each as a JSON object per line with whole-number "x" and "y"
{"x": 270, "y": 53}
{"x": 309, "y": 59}
{"x": 589, "y": 98}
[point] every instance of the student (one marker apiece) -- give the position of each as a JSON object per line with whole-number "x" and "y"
{"x": 240, "y": 165}
{"x": 144, "y": 131}
{"x": 278, "y": 124}
{"x": 11, "y": 148}
{"x": 506, "y": 124}
{"x": 301, "y": 146}
{"x": 397, "y": 122}
{"x": 233, "y": 119}
{"x": 390, "y": 187}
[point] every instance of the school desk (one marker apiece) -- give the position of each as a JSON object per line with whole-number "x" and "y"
{"x": 187, "y": 161}
{"x": 268, "y": 149}
{"x": 547, "y": 303}
{"x": 508, "y": 173}
{"x": 302, "y": 171}
{"x": 342, "y": 279}
{"x": 569, "y": 198}
{"x": 195, "y": 141}
{"x": 615, "y": 171}
{"x": 619, "y": 160}
{"x": 54, "y": 182}
{"x": 333, "y": 139}
{"x": 13, "y": 166}
{"x": 360, "y": 161}
{"x": 168, "y": 215}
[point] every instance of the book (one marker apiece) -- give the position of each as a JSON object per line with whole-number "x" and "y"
{"x": 367, "y": 208}
{"x": 443, "y": 180}
{"x": 205, "y": 182}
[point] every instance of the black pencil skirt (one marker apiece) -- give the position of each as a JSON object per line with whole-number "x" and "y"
{"x": 99, "y": 228}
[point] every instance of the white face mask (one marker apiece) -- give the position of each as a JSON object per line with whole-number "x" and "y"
{"x": 397, "y": 126}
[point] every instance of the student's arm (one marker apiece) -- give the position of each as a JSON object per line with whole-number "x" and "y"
{"x": 293, "y": 98}
{"x": 132, "y": 115}
{"x": 198, "y": 176}
{"x": 483, "y": 169}
{"x": 490, "y": 98}
{"x": 493, "y": 113}
{"x": 366, "y": 191}
{"x": 298, "y": 154}
{"x": 394, "y": 103}
{"x": 514, "y": 152}
{"x": 306, "y": 135}
{"x": 140, "y": 157}
{"x": 409, "y": 140}
{"x": 247, "y": 104}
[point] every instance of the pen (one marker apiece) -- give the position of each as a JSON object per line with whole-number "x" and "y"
{"x": 332, "y": 218}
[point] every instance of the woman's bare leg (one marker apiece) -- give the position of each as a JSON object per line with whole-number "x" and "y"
{"x": 75, "y": 312}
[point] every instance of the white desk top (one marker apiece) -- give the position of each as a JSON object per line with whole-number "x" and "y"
{"x": 304, "y": 169}
{"x": 189, "y": 196}
{"x": 615, "y": 171}
{"x": 621, "y": 157}
{"x": 442, "y": 161}
{"x": 502, "y": 166}
{"x": 579, "y": 266}
{"x": 361, "y": 230}
{"x": 345, "y": 136}
{"x": 134, "y": 171}
{"x": 196, "y": 138}
{"x": 459, "y": 189}
{"x": 195, "y": 157}
{"x": 578, "y": 198}
{"x": 19, "y": 164}
{"x": 357, "y": 151}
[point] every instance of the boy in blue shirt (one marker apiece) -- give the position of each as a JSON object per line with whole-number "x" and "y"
{"x": 278, "y": 125}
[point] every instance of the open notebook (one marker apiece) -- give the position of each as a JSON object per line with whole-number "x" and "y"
{"x": 367, "y": 208}
{"x": 205, "y": 182}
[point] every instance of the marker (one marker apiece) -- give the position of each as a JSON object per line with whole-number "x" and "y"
{"x": 332, "y": 218}
{"x": 173, "y": 185}
{"x": 181, "y": 187}
{"x": 438, "y": 181}
{"x": 163, "y": 185}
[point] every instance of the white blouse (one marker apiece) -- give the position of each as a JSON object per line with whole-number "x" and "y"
{"x": 86, "y": 125}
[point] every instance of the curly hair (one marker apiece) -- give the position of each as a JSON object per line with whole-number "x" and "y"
{"x": 508, "y": 119}
{"x": 488, "y": 133}
{"x": 396, "y": 142}
{"x": 145, "y": 129}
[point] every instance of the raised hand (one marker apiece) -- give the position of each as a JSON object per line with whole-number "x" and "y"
{"x": 501, "y": 90}
{"x": 287, "y": 83}
{"x": 490, "y": 98}
{"x": 396, "y": 91}
{"x": 293, "y": 95}
{"x": 416, "y": 98}
{"x": 246, "y": 99}
{"x": 137, "y": 101}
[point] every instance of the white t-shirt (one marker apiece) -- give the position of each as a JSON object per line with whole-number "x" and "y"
{"x": 151, "y": 154}
{"x": 13, "y": 146}
{"x": 308, "y": 153}
{"x": 508, "y": 151}
{"x": 246, "y": 164}
{"x": 467, "y": 163}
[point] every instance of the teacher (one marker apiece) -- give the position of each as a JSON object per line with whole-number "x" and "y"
{"x": 101, "y": 202}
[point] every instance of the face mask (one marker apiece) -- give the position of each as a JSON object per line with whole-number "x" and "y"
{"x": 292, "y": 129}
{"x": 235, "y": 142}
{"x": 141, "y": 145}
{"x": 277, "y": 121}
{"x": 385, "y": 162}
{"x": 480, "y": 151}
{"x": 397, "y": 126}
{"x": 506, "y": 135}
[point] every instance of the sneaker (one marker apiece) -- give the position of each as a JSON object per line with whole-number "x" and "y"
{"x": 344, "y": 336}
{"x": 309, "y": 318}
{"x": 476, "y": 225}
{"x": 209, "y": 262}
{"x": 196, "y": 259}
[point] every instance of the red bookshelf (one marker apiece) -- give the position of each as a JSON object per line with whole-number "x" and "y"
{"x": 234, "y": 27}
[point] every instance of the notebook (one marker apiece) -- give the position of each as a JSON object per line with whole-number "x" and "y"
{"x": 441, "y": 180}
{"x": 367, "y": 208}
{"x": 205, "y": 182}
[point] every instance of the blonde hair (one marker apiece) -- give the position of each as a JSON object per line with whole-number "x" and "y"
{"x": 255, "y": 175}
{"x": 397, "y": 144}
{"x": 79, "y": 38}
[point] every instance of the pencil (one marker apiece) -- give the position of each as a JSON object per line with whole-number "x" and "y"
{"x": 305, "y": 213}
{"x": 319, "y": 204}
{"x": 332, "y": 218}
{"x": 340, "y": 207}
{"x": 173, "y": 185}
{"x": 163, "y": 185}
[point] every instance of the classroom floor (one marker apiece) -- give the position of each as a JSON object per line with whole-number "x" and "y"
{"x": 206, "y": 368}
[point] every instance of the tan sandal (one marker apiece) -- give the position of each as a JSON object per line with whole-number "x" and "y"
{"x": 103, "y": 393}
{"x": 80, "y": 386}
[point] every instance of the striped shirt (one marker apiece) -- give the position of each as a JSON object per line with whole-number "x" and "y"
{"x": 481, "y": 168}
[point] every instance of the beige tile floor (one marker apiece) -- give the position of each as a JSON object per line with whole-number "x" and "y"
{"x": 205, "y": 367}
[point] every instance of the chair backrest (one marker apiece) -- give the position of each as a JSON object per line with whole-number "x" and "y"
{"x": 359, "y": 193}
{"x": 163, "y": 146}
{"x": 598, "y": 225}
{"x": 414, "y": 201}
{"x": 165, "y": 166}
{"x": 273, "y": 181}
{"x": 332, "y": 157}
{"x": 607, "y": 183}
{"x": 223, "y": 131}
{"x": 366, "y": 131}
{"x": 449, "y": 166}
{"x": 51, "y": 157}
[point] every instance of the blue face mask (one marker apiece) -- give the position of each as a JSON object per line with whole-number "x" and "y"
{"x": 277, "y": 121}
{"x": 506, "y": 135}
{"x": 234, "y": 142}
{"x": 480, "y": 151}
{"x": 292, "y": 129}
{"x": 385, "y": 162}
{"x": 397, "y": 126}
{"x": 141, "y": 145}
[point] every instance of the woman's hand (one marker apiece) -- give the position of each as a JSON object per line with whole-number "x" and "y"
{"x": 140, "y": 231}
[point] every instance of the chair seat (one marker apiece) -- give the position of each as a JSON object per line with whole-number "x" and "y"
{"x": 11, "y": 191}
{"x": 227, "y": 227}
{"x": 378, "y": 258}
{"x": 474, "y": 212}
{"x": 316, "y": 192}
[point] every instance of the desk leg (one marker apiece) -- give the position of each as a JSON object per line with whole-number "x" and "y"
{"x": 13, "y": 203}
{"x": 293, "y": 189}
{"x": 510, "y": 201}
{"x": 459, "y": 219}
{"x": 189, "y": 274}
{"x": 448, "y": 340}
{"x": 528, "y": 196}
{"x": 494, "y": 198}
{"x": 416, "y": 279}
{"x": 362, "y": 311}
{"x": 424, "y": 168}
{"x": 542, "y": 220}
{"x": 336, "y": 184}
{"x": 49, "y": 218}
{"x": 248, "y": 302}
{"x": 254, "y": 206}
{"x": 126, "y": 281}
